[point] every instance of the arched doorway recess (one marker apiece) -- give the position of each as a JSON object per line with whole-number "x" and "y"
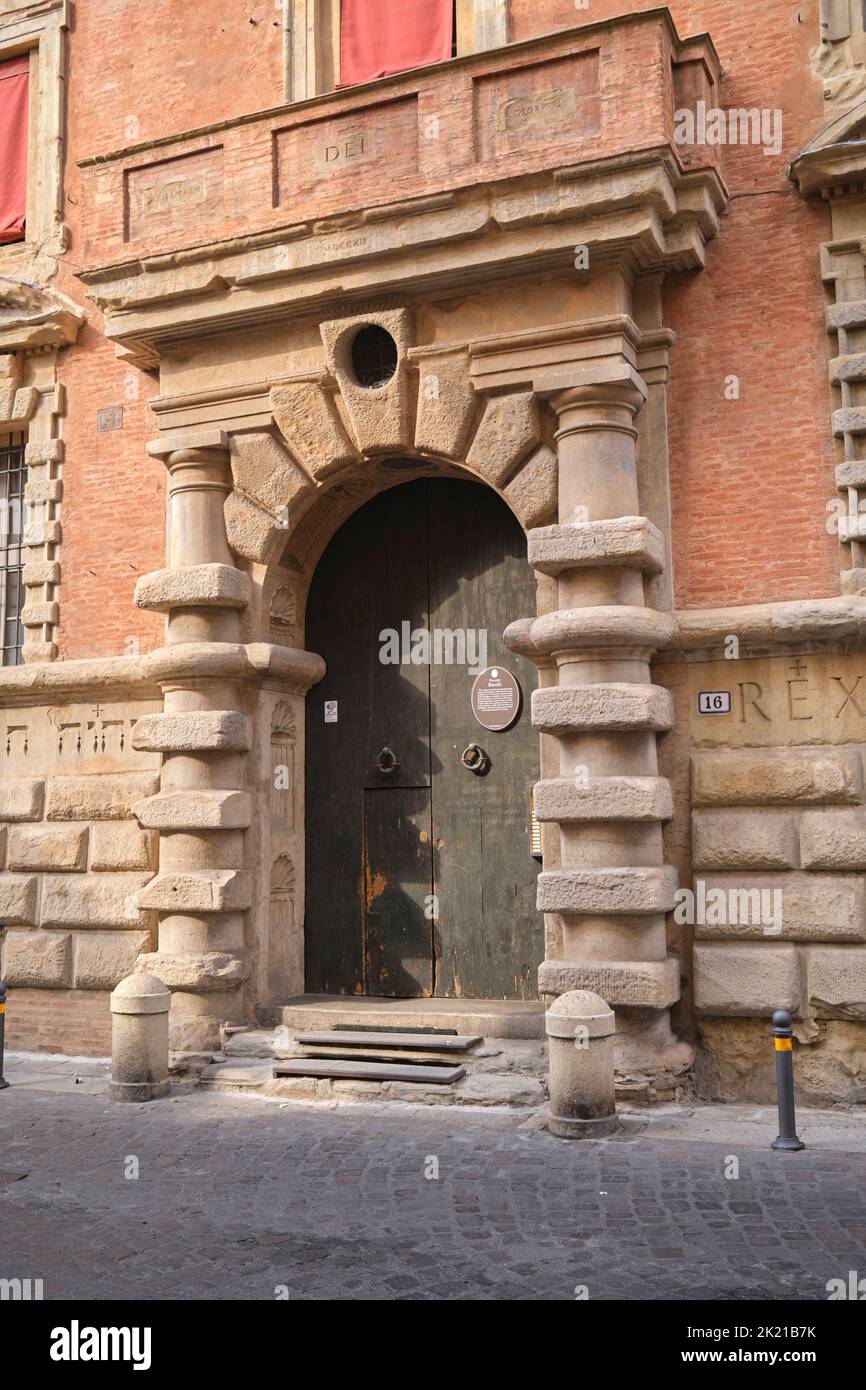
{"x": 420, "y": 876}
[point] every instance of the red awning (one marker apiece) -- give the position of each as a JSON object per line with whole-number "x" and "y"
{"x": 14, "y": 81}
{"x": 380, "y": 37}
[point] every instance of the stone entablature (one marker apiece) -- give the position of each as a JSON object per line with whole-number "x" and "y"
{"x": 258, "y": 205}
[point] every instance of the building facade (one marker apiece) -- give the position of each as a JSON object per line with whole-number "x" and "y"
{"x": 416, "y": 581}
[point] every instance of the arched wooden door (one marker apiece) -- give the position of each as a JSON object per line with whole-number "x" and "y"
{"x": 420, "y": 878}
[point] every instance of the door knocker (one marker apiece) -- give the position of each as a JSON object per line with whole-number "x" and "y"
{"x": 476, "y": 760}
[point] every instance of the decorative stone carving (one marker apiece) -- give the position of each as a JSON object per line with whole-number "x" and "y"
{"x": 283, "y": 614}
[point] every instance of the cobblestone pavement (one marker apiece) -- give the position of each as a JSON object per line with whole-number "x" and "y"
{"x": 236, "y": 1197}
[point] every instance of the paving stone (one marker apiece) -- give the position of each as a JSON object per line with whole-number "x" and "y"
{"x": 238, "y": 1197}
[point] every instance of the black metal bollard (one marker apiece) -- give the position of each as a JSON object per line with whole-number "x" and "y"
{"x": 3, "y": 1082}
{"x": 783, "y": 1033}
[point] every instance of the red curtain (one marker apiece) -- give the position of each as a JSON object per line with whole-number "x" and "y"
{"x": 14, "y": 80}
{"x": 379, "y": 37}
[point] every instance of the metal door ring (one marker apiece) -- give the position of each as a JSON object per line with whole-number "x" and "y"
{"x": 476, "y": 760}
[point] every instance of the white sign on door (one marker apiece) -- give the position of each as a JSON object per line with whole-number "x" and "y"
{"x": 331, "y": 715}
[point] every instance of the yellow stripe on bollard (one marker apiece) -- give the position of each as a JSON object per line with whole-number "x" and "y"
{"x": 784, "y": 1045}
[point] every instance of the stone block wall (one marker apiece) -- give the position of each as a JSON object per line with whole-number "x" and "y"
{"x": 778, "y": 913}
{"x": 72, "y": 857}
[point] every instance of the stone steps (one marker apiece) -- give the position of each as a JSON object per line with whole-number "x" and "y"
{"x": 368, "y": 1069}
{"x": 490, "y": 1018}
{"x": 494, "y": 1071}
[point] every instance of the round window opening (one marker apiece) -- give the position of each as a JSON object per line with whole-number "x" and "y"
{"x": 374, "y": 356}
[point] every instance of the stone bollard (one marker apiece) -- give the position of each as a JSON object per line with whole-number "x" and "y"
{"x": 580, "y": 1030}
{"x": 139, "y": 1039}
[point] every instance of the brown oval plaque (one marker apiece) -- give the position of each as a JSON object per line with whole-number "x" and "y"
{"x": 496, "y": 699}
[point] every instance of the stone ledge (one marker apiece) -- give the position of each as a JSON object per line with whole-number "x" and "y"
{"x": 193, "y": 586}
{"x": 851, "y": 473}
{"x": 38, "y": 572}
{"x": 294, "y": 669}
{"x": 630, "y": 541}
{"x": 38, "y": 614}
{"x": 568, "y": 709}
{"x": 210, "y": 970}
{"x": 746, "y": 981}
{"x": 771, "y": 624}
{"x": 604, "y": 799}
{"x": 621, "y": 984}
{"x": 198, "y": 890}
{"x": 586, "y": 629}
{"x": 598, "y": 892}
{"x": 224, "y": 731}
{"x": 195, "y": 810}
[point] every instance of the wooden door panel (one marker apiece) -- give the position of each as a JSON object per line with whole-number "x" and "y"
{"x": 398, "y": 884}
{"x": 489, "y": 934}
{"x": 371, "y": 577}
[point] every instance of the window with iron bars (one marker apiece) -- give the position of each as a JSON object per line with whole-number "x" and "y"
{"x": 13, "y": 475}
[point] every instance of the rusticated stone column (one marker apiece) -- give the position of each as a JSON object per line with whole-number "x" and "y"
{"x": 202, "y": 889}
{"x": 606, "y": 899}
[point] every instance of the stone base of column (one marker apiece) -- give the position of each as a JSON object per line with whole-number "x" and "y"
{"x": 195, "y": 1022}
{"x": 583, "y": 1129}
{"x": 138, "y": 1091}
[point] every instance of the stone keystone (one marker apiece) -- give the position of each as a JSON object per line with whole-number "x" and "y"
{"x": 198, "y": 890}
{"x": 193, "y": 586}
{"x": 596, "y": 892}
{"x": 624, "y": 541}
{"x": 193, "y": 731}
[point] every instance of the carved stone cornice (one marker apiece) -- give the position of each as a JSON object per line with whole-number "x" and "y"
{"x": 257, "y": 663}
{"x": 536, "y": 165}
{"x": 33, "y": 317}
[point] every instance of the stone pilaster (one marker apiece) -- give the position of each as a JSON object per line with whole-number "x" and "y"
{"x": 202, "y": 890}
{"x": 605, "y": 900}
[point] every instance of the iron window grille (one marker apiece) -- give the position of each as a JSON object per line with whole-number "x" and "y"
{"x": 13, "y": 476}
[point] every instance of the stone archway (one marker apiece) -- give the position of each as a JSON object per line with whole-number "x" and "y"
{"x": 251, "y": 510}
